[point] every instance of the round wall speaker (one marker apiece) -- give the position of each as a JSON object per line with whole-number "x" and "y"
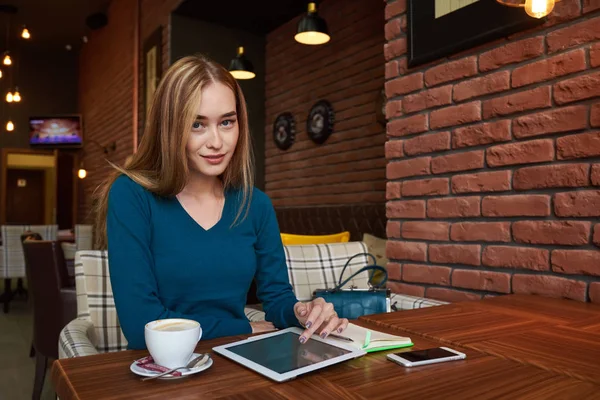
{"x": 96, "y": 21}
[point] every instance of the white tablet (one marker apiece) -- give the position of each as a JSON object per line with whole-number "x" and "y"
{"x": 281, "y": 357}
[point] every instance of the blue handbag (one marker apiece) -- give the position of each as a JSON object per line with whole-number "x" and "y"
{"x": 353, "y": 303}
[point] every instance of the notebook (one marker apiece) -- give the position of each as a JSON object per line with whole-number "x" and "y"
{"x": 370, "y": 340}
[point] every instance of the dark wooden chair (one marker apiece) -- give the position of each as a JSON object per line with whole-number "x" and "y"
{"x": 54, "y": 302}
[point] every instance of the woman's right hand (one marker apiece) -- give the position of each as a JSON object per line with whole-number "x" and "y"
{"x": 262, "y": 326}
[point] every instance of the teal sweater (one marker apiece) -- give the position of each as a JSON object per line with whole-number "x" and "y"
{"x": 164, "y": 265}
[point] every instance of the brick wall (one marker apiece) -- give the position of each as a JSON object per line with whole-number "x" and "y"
{"x": 348, "y": 71}
{"x": 493, "y": 162}
{"x": 106, "y": 85}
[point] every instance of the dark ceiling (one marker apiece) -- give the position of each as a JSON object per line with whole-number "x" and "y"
{"x": 53, "y": 23}
{"x": 259, "y": 16}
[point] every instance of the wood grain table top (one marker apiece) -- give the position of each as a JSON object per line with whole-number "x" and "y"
{"x": 514, "y": 363}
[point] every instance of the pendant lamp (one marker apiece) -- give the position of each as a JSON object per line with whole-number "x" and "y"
{"x": 240, "y": 67}
{"x": 312, "y": 29}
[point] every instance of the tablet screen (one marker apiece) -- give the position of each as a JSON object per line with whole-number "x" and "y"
{"x": 284, "y": 353}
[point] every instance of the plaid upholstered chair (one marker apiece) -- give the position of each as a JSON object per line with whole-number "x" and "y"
{"x": 96, "y": 328}
{"x": 12, "y": 261}
{"x": 83, "y": 237}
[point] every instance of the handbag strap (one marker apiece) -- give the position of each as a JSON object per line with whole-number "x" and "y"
{"x": 374, "y": 267}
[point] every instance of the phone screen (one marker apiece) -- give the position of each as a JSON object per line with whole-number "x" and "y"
{"x": 424, "y": 355}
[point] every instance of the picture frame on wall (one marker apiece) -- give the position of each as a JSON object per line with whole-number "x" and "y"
{"x": 439, "y": 28}
{"x": 152, "y": 70}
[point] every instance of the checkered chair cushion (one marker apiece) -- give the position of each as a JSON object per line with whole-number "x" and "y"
{"x": 318, "y": 266}
{"x": 401, "y": 302}
{"x": 83, "y": 237}
{"x": 12, "y": 261}
{"x": 97, "y": 328}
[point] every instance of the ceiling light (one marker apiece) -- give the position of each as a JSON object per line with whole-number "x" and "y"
{"x": 17, "y": 95}
{"x": 9, "y": 97}
{"x": 312, "y": 29}
{"x": 240, "y": 67}
{"x": 10, "y": 126}
{"x": 25, "y": 34}
{"x": 7, "y": 60}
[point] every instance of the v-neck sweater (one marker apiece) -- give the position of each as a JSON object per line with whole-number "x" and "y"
{"x": 163, "y": 264}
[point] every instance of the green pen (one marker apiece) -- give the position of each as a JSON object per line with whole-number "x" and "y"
{"x": 367, "y": 339}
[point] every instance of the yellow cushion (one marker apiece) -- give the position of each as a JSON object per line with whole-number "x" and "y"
{"x": 291, "y": 240}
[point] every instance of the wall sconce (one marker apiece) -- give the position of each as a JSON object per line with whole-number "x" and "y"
{"x": 312, "y": 29}
{"x": 533, "y": 8}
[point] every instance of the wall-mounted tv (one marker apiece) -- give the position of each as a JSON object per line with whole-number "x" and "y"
{"x": 57, "y": 130}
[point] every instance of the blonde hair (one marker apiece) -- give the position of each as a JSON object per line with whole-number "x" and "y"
{"x": 160, "y": 165}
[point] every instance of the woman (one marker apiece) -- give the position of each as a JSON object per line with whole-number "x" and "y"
{"x": 186, "y": 230}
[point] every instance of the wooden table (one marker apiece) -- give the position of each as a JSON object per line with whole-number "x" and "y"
{"x": 510, "y": 344}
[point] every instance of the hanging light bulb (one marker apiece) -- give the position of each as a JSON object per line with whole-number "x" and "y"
{"x": 0, "y": 73}
{"x": 9, "y": 97}
{"x": 312, "y": 29}
{"x": 539, "y": 8}
{"x": 25, "y": 33}
{"x": 17, "y": 95}
{"x": 7, "y": 60}
{"x": 82, "y": 173}
{"x": 10, "y": 126}
{"x": 240, "y": 67}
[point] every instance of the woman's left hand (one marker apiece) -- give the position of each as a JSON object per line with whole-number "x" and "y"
{"x": 318, "y": 316}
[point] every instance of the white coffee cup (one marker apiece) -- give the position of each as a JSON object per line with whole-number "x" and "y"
{"x": 171, "y": 342}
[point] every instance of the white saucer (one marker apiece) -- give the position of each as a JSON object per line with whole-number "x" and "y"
{"x": 144, "y": 372}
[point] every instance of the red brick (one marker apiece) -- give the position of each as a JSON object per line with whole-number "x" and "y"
{"x": 496, "y": 181}
{"x": 514, "y": 52}
{"x": 392, "y": 29}
{"x": 516, "y": 257}
{"x": 393, "y": 109}
{"x": 428, "y": 99}
{"x": 411, "y": 251}
{"x": 576, "y": 262}
{"x": 392, "y": 69}
{"x": 405, "y": 209}
{"x": 481, "y": 280}
{"x": 595, "y": 115}
{"x": 594, "y": 290}
{"x": 394, "y": 49}
{"x": 595, "y": 55}
{"x": 476, "y": 87}
{"x": 532, "y": 151}
{"x": 578, "y": 146}
{"x": 549, "y": 68}
{"x": 403, "y": 85}
{"x": 596, "y": 175}
{"x": 480, "y": 232}
{"x": 394, "y": 9}
{"x": 565, "y": 10}
{"x": 454, "y": 207}
{"x": 574, "y": 35}
{"x": 451, "y": 71}
{"x": 585, "y": 203}
{"x": 477, "y": 135}
{"x": 426, "y": 187}
{"x": 457, "y": 162}
{"x": 403, "y": 288}
{"x": 427, "y": 143}
{"x": 552, "y": 121}
{"x": 468, "y": 254}
{"x": 517, "y": 102}
{"x": 394, "y": 149}
{"x": 405, "y": 168}
{"x": 392, "y": 229}
{"x": 408, "y": 125}
{"x": 549, "y": 286}
{"x": 393, "y": 190}
{"x": 550, "y": 176}
{"x": 394, "y": 271}
{"x": 431, "y": 274}
{"x": 596, "y": 238}
{"x": 579, "y": 88}
{"x": 590, "y": 5}
{"x": 552, "y": 232}
{"x": 450, "y": 295}
{"x": 532, "y": 205}
{"x": 426, "y": 230}
{"x": 456, "y": 115}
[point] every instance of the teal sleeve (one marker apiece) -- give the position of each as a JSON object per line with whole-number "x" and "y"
{"x": 132, "y": 274}
{"x": 272, "y": 281}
